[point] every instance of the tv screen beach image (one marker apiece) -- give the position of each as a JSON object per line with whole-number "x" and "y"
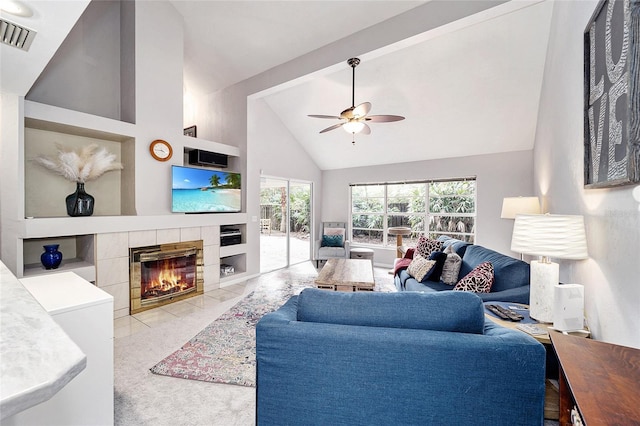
{"x": 205, "y": 191}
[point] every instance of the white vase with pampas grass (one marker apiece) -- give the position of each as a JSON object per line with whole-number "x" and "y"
{"x": 83, "y": 165}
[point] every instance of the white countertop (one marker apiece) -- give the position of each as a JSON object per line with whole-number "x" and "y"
{"x": 38, "y": 358}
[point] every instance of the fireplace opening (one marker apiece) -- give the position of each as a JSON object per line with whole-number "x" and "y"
{"x": 167, "y": 274}
{"x": 164, "y": 274}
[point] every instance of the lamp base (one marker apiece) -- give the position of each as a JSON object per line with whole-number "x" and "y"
{"x": 544, "y": 277}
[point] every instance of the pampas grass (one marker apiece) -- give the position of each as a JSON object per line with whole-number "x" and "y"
{"x": 83, "y": 165}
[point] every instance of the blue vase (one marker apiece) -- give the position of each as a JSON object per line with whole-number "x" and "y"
{"x": 51, "y": 257}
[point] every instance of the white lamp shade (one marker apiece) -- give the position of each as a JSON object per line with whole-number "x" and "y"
{"x": 512, "y": 206}
{"x": 549, "y": 235}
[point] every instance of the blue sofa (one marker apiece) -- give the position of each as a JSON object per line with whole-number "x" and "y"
{"x": 511, "y": 276}
{"x": 369, "y": 358}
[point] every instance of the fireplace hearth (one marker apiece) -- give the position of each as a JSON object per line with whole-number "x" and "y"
{"x": 164, "y": 273}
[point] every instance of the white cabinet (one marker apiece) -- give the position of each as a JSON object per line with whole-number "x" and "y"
{"x": 85, "y": 312}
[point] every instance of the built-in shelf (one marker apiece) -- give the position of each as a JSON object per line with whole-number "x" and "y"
{"x": 81, "y": 267}
{"x": 232, "y": 250}
{"x": 56, "y": 226}
{"x": 239, "y": 263}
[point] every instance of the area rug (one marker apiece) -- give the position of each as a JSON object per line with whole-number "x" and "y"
{"x": 225, "y": 351}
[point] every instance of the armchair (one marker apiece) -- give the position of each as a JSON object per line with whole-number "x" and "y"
{"x": 323, "y": 252}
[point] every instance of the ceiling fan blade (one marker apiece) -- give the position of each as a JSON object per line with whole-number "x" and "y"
{"x": 366, "y": 130}
{"x": 362, "y": 110}
{"x": 335, "y": 126}
{"x": 383, "y": 118}
{"x": 324, "y": 116}
{"x": 347, "y": 114}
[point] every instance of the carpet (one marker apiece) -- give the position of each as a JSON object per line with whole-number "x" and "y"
{"x": 225, "y": 351}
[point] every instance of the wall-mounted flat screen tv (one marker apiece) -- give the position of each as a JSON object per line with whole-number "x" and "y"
{"x": 205, "y": 191}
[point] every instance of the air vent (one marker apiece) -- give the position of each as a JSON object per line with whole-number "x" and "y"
{"x": 16, "y": 35}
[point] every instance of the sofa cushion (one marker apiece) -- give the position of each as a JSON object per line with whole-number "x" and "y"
{"x": 459, "y": 246}
{"x": 451, "y": 268}
{"x": 508, "y": 272}
{"x": 426, "y": 246}
{"x": 440, "y": 311}
{"x": 479, "y": 280}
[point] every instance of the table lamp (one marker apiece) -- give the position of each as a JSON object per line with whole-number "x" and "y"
{"x": 512, "y": 206}
{"x": 399, "y": 231}
{"x": 547, "y": 235}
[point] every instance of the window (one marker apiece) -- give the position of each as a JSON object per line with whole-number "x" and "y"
{"x": 433, "y": 208}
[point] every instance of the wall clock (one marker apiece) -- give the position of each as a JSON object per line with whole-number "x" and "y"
{"x": 161, "y": 150}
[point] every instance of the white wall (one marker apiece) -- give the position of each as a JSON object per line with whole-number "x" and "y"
{"x": 272, "y": 151}
{"x": 498, "y": 176}
{"x": 84, "y": 74}
{"x": 612, "y": 216}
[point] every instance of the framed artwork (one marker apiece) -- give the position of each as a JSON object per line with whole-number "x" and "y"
{"x": 190, "y": 131}
{"x": 612, "y": 95}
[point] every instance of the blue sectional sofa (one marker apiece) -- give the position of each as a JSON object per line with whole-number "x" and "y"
{"x": 369, "y": 358}
{"x": 511, "y": 276}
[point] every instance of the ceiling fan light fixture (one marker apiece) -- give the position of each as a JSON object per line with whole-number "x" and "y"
{"x": 353, "y": 126}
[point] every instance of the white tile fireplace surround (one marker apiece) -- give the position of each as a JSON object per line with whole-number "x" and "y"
{"x": 112, "y": 258}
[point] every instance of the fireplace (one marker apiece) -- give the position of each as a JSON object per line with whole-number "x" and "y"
{"x": 164, "y": 273}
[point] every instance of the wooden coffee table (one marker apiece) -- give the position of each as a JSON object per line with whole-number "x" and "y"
{"x": 346, "y": 275}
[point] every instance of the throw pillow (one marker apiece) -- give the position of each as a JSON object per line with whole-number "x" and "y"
{"x": 479, "y": 280}
{"x": 334, "y": 231}
{"x": 426, "y": 246}
{"x": 331, "y": 241}
{"x": 451, "y": 268}
{"x": 420, "y": 267}
{"x": 440, "y": 257}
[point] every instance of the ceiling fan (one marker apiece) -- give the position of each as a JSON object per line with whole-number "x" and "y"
{"x": 354, "y": 118}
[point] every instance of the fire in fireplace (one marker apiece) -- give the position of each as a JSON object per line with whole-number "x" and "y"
{"x": 164, "y": 274}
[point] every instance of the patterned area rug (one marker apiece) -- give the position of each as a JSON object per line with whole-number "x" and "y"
{"x": 225, "y": 351}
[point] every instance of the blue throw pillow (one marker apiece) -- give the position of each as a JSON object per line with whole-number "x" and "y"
{"x": 332, "y": 241}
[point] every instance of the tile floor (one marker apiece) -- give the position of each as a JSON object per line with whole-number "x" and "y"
{"x": 132, "y": 324}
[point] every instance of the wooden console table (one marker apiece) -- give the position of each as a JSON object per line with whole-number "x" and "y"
{"x": 601, "y": 380}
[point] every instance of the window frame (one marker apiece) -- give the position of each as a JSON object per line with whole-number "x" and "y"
{"x": 389, "y": 242}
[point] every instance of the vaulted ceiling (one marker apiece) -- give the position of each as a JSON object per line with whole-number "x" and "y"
{"x": 471, "y": 88}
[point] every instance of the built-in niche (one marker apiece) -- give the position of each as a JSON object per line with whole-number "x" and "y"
{"x": 45, "y": 192}
{"x": 78, "y": 255}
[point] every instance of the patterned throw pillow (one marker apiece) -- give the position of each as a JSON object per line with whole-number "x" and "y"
{"x": 451, "y": 268}
{"x": 479, "y": 280}
{"x": 332, "y": 241}
{"x": 426, "y": 246}
{"x": 420, "y": 267}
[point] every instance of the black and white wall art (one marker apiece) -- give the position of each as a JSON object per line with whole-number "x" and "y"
{"x": 612, "y": 95}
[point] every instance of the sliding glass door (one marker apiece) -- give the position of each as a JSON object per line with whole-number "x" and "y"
{"x": 285, "y": 223}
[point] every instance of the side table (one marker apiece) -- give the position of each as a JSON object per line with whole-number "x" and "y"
{"x": 361, "y": 253}
{"x": 599, "y": 382}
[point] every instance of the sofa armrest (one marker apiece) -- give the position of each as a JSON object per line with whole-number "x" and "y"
{"x": 319, "y": 374}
